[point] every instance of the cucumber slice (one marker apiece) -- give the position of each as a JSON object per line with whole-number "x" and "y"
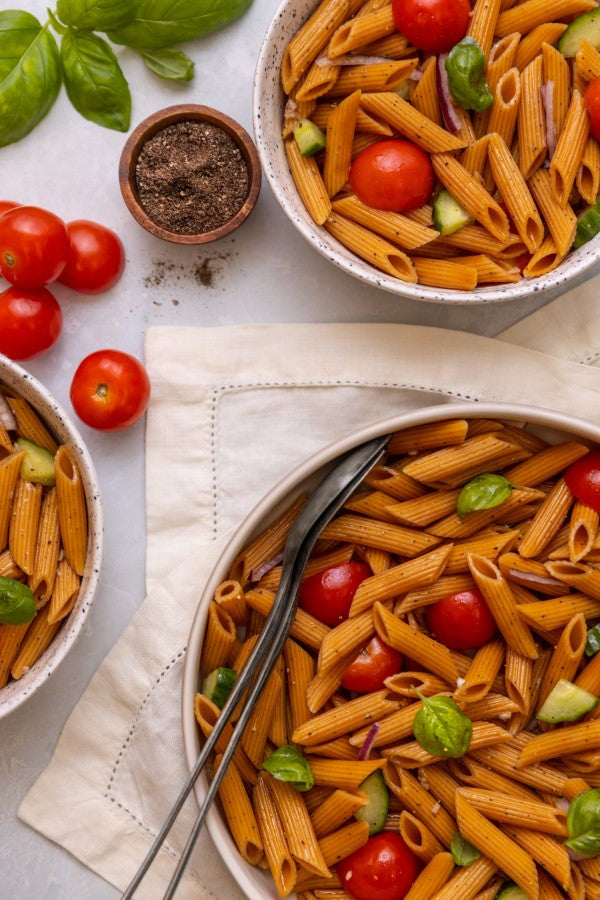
{"x": 38, "y": 463}
{"x": 448, "y": 214}
{"x": 376, "y": 809}
{"x": 511, "y": 892}
{"x": 587, "y": 26}
{"x": 309, "y": 137}
{"x": 218, "y": 685}
{"x": 588, "y": 225}
{"x": 566, "y": 702}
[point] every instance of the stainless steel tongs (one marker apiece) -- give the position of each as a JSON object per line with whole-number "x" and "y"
{"x": 320, "y": 507}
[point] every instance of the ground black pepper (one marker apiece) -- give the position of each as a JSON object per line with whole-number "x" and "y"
{"x": 191, "y": 177}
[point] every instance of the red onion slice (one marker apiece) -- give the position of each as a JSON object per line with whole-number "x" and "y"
{"x": 449, "y": 114}
{"x": 369, "y": 741}
{"x": 6, "y": 415}
{"x": 352, "y": 60}
{"x": 257, "y": 573}
{"x": 416, "y": 75}
{"x": 547, "y": 92}
{"x": 532, "y": 579}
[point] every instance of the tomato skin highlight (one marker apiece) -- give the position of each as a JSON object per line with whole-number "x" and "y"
{"x": 374, "y": 663}
{"x": 392, "y": 175}
{"x": 327, "y": 595}
{"x": 96, "y": 258}
{"x": 34, "y": 246}
{"x": 30, "y": 322}
{"x": 110, "y": 390}
{"x": 434, "y": 26}
{"x": 461, "y": 621}
{"x": 592, "y": 103}
{"x": 382, "y": 869}
{"x": 583, "y": 479}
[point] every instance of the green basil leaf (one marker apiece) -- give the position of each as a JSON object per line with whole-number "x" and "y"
{"x": 162, "y": 23}
{"x": 583, "y": 823}
{"x": 465, "y": 65}
{"x": 442, "y": 728}
{"x": 96, "y": 15}
{"x": 30, "y": 75}
{"x": 483, "y": 492}
{"x": 17, "y": 606}
{"x": 58, "y": 27}
{"x": 94, "y": 81}
{"x": 287, "y": 764}
{"x": 463, "y": 853}
{"x": 592, "y": 645}
{"x": 175, "y": 65}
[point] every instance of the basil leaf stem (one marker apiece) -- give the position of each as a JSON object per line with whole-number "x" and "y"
{"x": 288, "y": 764}
{"x": 583, "y": 823}
{"x": 441, "y": 728}
{"x": 483, "y": 492}
{"x": 17, "y": 606}
{"x": 463, "y": 852}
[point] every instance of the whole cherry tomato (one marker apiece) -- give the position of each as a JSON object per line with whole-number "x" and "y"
{"x": 592, "y": 102}
{"x": 382, "y": 869}
{"x": 30, "y": 322}
{"x": 461, "y": 621}
{"x": 374, "y": 663}
{"x": 327, "y": 595}
{"x": 434, "y": 26}
{"x": 393, "y": 175}
{"x": 96, "y": 258}
{"x": 110, "y": 390}
{"x": 34, "y": 246}
{"x": 583, "y": 479}
{"x": 7, "y": 204}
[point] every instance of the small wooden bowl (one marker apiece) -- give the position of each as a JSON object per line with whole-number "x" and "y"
{"x": 160, "y": 120}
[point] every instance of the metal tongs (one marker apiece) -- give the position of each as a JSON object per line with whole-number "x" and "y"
{"x": 320, "y": 507}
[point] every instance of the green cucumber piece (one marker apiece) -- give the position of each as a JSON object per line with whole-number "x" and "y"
{"x": 38, "y": 463}
{"x": 309, "y": 137}
{"x": 592, "y": 644}
{"x": 586, "y": 26}
{"x": 511, "y": 892}
{"x": 376, "y": 809}
{"x": 588, "y": 225}
{"x": 448, "y": 214}
{"x": 566, "y": 702}
{"x": 218, "y": 685}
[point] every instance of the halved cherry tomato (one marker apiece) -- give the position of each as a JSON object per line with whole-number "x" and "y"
{"x": 327, "y": 595}
{"x": 96, "y": 258}
{"x": 592, "y": 102}
{"x": 34, "y": 246}
{"x": 382, "y": 869}
{"x": 110, "y": 390}
{"x": 434, "y": 26}
{"x": 461, "y": 621}
{"x": 30, "y": 322}
{"x": 393, "y": 175}
{"x": 374, "y": 663}
{"x": 583, "y": 479}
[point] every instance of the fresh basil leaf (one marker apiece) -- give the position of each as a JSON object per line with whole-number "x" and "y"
{"x": 287, "y": 764}
{"x": 58, "y": 27}
{"x": 583, "y": 823}
{"x": 483, "y": 492}
{"x": 162, "y": 23}
{"x": 17, "y": 606}
{"x": 465, "y": 65}
{"x": 592, "y": 645}
{"x": 175, "y": 65}
{"x": 96, "y": 15}
{"x": 442, "y": 728}
{"x": 30, "y": 75}
{"x": 463, "y": 853}
{"x": 94, "y": 81}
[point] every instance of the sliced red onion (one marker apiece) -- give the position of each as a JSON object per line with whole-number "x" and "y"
{"x": 369, "y": 741}
{"x": 532, "y": 579}
{"x": 574, "y": 856}
{"x": 6, "y": 415}
{"x": 416, "y": 75}
{"x": 449, "y": 114}
{"x": 352, "y": 60}
{"x": 547, "y": 92}
{"x": 257, "y": 573}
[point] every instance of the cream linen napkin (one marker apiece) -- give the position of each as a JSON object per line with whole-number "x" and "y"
{"x": 233, "y": 410}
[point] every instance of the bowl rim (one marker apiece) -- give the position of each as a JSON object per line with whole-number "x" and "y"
{"x": 15, "y": 693}
{"x": 266, "y": 76}
{"x": 283, "y": 490}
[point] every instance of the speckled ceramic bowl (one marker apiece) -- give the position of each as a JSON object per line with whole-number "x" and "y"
{"x": 268, "y": 118}
{"x": 16, "y": 692}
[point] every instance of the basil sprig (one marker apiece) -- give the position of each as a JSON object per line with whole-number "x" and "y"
{"x": 287, "y": 764}
{"x": 441, "y": 727}
{"x": 17, "y": 606}
{"x": 463, "y": 852}
{"x": 583, "y": 823}
{"x": 483, "y": 492}
{"x": 592, "y": 644}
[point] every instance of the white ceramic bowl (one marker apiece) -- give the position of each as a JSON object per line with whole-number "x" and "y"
{"x": 268, "y": 118}
{"x": 257, "y": 884}
{"x": 16, "y": 692}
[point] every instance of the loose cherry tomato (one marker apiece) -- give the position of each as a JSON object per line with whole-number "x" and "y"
{"x": 34, "y": 246}
{"x": 7, "y": 204}
{"x": 30, "y": 322}
{"x": 327, "y": 595}
{"x": 522, "y": 261}
{"x": 434, "y": 26}
{"x": 461, "y": 621}
{"x": 110, "y": 390}
{"x": 96, "y": 258}
{"x": 382, "y": 869}
{"x": 374, "y": 663}
{"x": 583, "y": 479}
{"x": 592, "y": 102}
{"x": 393, "y": 175}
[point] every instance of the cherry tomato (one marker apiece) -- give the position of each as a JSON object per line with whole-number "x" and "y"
{"x": 382, "y": 869}
{"x": 110, "y": 390}
{"x": 34, "y": 246}
{"x": 7, "y": 204}
{"x": 522, "y": 261}
{"x": 327, "y": 595}
{"x": 374, "y": 663}
{"x": 461, "y": 621}
{"x": 30, "y": 322}
{"x": 96, "y": 258}
{"x": 583, "y": 479}
{"x": 434, "y": 26}
{"x": 393, "y": 175}
{"x": 592, "y": 102}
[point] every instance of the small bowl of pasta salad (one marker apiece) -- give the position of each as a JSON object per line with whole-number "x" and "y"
{"x": 50, "y": 535}
{"x": 433, "y": 717}
{"x": 455, "y": 163}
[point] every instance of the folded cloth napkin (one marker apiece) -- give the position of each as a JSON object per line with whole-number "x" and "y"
{"x": 232, "y": 410}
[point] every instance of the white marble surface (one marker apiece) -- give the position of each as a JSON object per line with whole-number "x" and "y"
{"x": 264, "y": 273}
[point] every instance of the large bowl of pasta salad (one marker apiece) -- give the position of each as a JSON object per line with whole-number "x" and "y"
{"x": 436, "y": 702}
{"x": 455, "y": 164}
